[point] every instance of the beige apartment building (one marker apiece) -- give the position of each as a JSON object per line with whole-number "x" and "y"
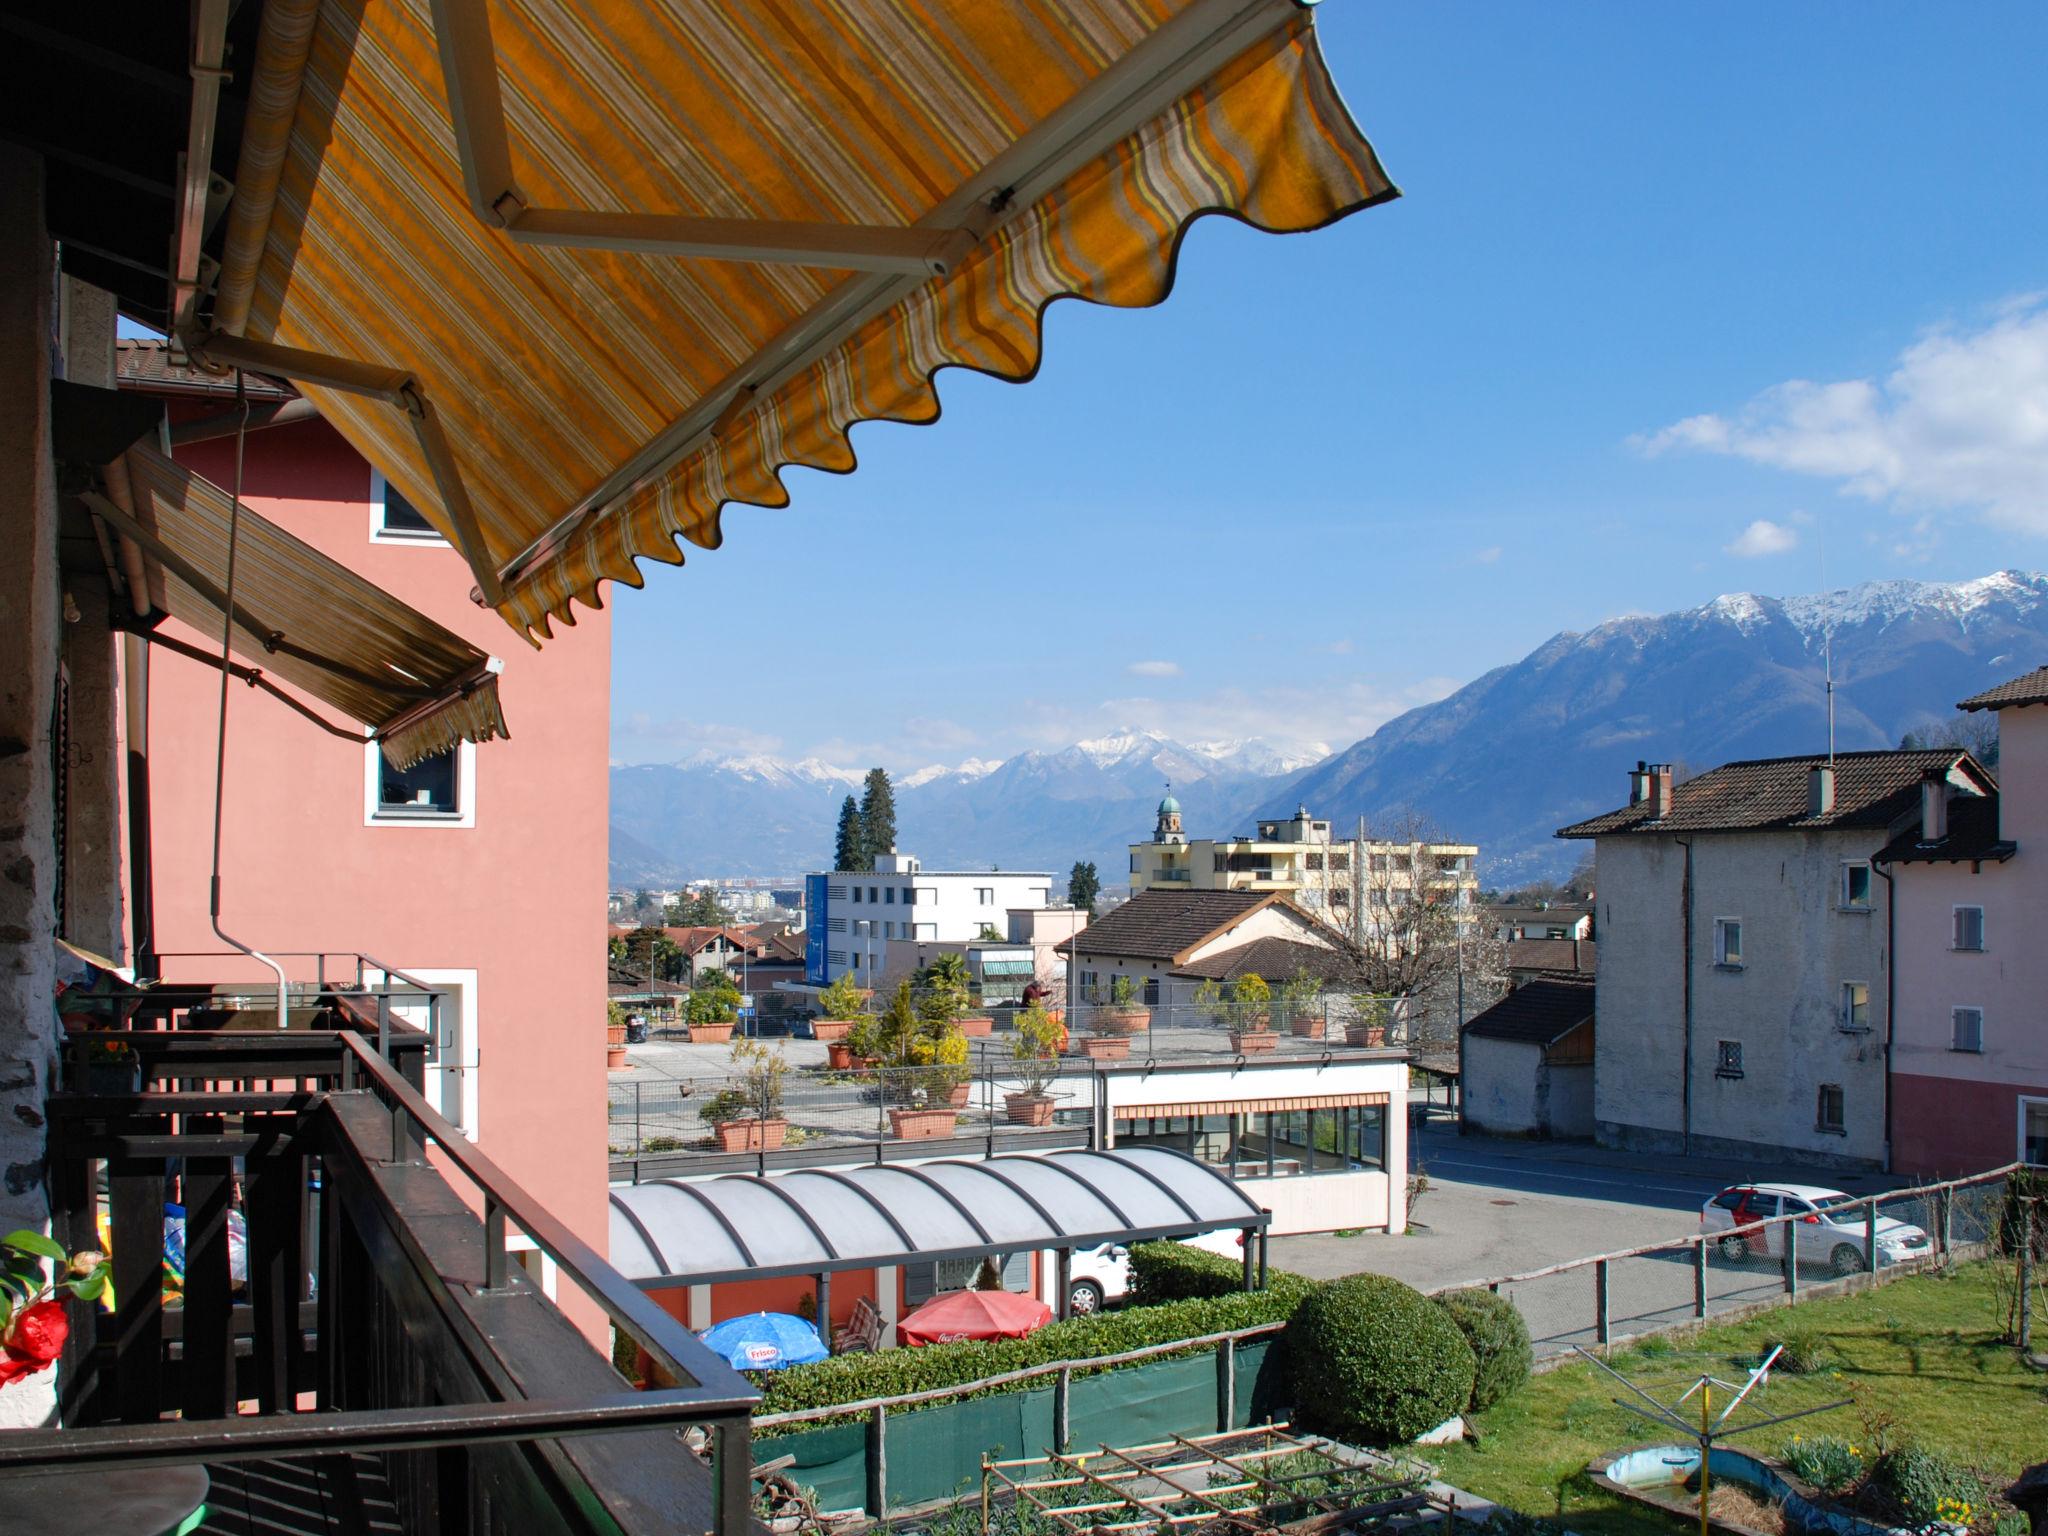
{"x": 1339, "y": 880}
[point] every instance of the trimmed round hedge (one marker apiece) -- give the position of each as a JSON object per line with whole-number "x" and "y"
{"x": 1376, "y": 1362}
{"x": 1499, "y": 1340}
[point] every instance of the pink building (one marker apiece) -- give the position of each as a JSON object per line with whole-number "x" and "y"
{"x": 1969, "y": 1027}
{"x": 480, "y": 872}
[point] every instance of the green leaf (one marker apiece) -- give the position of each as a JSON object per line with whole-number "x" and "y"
{"x": 25, "y": 1241}
{"x": 92, "y": 1287}
{"x": 19, "y": 1285}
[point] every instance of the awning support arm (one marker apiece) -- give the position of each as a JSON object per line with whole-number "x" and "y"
{"x": 250, "y": 675}
{"x": 394, "y": 386}
{"x": 207, "y": 66}
{"x": 469, "y": 65}
{"x": 273, "y": 640}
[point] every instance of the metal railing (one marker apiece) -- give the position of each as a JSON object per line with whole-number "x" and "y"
{"x": 1182, "y": 1026}
{"x": 1727, "y": 1272}
{"x": 367, "y": 1282}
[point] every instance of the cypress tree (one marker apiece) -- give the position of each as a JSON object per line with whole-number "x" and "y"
{"x": 877, "y": 816}
{"x": 849, "y": 851}
{"x": 1083, "y": 886}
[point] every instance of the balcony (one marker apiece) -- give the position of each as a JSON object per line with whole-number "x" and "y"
{"x": 350, "y": 1342}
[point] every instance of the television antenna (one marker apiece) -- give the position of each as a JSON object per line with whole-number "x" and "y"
{"x": 1710, "y": 1430}
{"x": 1827, "y": 632}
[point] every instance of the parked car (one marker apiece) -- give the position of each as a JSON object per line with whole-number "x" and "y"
{"x": 1839, "y": 1219}
{"x": 1098, "y": 1276}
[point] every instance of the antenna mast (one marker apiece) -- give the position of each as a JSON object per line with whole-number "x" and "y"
{"x": 1827, "y": 630}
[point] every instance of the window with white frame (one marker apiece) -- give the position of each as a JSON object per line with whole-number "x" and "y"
{"x": 2033, "y": 1146}
{"x": 1856, "y": 1005}
{"x": 437, "y": 791}
{"x": 984, "y": 895}
{"x": 1828, "y": 1111}
{"x": 1856, "y": 886}
{"x": 1966, "y": 1030}
{"x": 1969, "y": 929}
{"x": 395, "y": 520}
{"x": 1728, "y": 941}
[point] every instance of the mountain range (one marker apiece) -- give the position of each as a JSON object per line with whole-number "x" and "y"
{"x": 1502, "y": 762}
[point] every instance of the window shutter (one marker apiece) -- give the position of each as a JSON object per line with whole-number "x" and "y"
{"x": 1017, "y": 1271}
{"x": 919, "y": 1281}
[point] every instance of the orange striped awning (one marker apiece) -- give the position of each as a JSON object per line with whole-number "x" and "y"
{"x": 602, "y": 402}
{"x": 1247, "y": 1106}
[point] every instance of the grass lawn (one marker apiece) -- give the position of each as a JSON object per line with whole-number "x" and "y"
{"x": 1920, "y": 1353}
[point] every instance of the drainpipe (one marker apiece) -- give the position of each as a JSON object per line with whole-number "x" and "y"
{"x": 1891, "y": 974}
{"x": 1685, "y": 909}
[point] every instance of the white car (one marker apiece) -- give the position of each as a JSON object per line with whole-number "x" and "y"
{"x": 1098, "y": 1276}
{"x": 1831, "y": 1226}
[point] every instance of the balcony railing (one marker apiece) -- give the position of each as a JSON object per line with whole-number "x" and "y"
{"x": 342, "y": 1311}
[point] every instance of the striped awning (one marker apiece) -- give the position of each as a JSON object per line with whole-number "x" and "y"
{"x": 307, "y": 619}
{"x": 1201, "y": 1107}
{"x": 648, "y": 253}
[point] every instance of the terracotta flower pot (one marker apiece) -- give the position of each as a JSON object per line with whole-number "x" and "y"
{"x": 839, "y": 1056}
{"x": 1028, "y": 1108}
{"x": 1365, "y": 1034}
{"x": 977, "y": 1026}
{"x": 1309, "y": 1027}
{"x": 711, "y": 1034}
{"x": 830, "y": 1029}
{"x": 1105, "y": 1047}
{"x": 615, "y": 1034}
{"x": 918, "y": 1124}
{"x": 1249, "y": 1042}
{"x": 956, "y": 1095}
{"x": 751, "y": 1135}
{"x": 1125, "y": 1021}
{"x": 614, "y": 1057}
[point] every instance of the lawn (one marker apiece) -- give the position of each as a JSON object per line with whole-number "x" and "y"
{"x": 1919, "y": 1357}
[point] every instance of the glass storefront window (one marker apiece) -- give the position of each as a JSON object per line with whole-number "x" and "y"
{"x": 1273, "y": 1144}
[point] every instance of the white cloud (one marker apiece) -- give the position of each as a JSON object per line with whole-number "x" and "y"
{"x": 1490, "y": 555}
{"x": 1340, "y": 648}
{"x": 1762, "y": 537}
{"x": 1960, "y": 421}
{"x": 1154, "y": 669}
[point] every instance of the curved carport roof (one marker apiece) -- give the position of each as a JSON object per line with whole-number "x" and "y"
{"x": 678, "y": 1232}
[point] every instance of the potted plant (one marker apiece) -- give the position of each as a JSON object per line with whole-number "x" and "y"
{"x": 843, "y": 1001}
{"x": 714, "y": 1008}
{"x": 1302, "y": 997}
{"x": 1035, "y": 1051}
{"x": 861, "y": 1049}
{"x": 614, "y": 1036}
{"x": 1251, "y": 1027}
{"x": 747, "y": 1115}
{"x": 943, "y": 1056}
{"x": 1125, "y": 1014}
{"x": 1368, "y": 1023}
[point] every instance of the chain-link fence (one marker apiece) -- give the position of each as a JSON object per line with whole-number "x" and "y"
{"x": 1756, "y": 1248}
{"x": 1283, "y": 1025}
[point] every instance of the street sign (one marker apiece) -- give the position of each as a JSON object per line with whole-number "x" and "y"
{"x": 747, "y": 1001}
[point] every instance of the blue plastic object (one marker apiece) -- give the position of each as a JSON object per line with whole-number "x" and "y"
{"x": 765, "y": 1341}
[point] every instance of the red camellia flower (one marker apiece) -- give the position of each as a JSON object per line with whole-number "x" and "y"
{"x": 35, "y": 1341}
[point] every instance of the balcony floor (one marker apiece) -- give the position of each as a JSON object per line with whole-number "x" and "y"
{"x": 308, "y": 1496}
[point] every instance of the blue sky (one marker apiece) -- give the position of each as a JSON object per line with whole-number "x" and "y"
{"x": 1338, "y": 474}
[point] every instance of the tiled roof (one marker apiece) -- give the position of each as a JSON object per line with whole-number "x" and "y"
{"x": 1273, "y": 959}
{"x": 1871, "y": 790}
{"x": 1563, "y": 913}
{"x": 140, "y": 363}
{"x": 1161, "y": 924}
{"x": 1567, "y": 955}
{"x": 701, "y": 936}
{"x": 2031, "y": 689}
{"x": 1972, "y": 836}
{"x": 1536, "y": 1013}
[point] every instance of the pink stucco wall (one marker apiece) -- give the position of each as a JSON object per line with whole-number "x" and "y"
{"x": 518, "y": 898}
{"x": 1956, "y": 1111}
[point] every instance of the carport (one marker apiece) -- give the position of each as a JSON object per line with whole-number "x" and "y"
{"x": 820, "y": 1221}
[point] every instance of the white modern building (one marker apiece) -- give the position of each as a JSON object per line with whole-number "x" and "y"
{"x": 901, "y": 902}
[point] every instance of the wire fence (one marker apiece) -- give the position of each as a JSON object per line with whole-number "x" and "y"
{"x": 1758, "y": 1259}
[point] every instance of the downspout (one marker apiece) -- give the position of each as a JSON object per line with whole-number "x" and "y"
{"x": 1685, "y": 909}
{"x": 141, "y": 873}
{"x": 1891, "y": 975}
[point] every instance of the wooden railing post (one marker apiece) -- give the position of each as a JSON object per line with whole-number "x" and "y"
{"x": 1791, "y": 1229}
{"x": 1062, "y": 1409}
{"x": 877, "y": 1498}
{"x": 1602, "y": 1300}
{"x": 1226, "y": 1385}
{"x": 1699, "y": 1277}
{"x": 1870, "y": 1236}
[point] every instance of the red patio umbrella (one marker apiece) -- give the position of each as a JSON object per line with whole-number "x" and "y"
{"x": 973, "y": 1315}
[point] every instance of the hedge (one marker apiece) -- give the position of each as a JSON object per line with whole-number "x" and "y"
{"x": 1164, "y": 1272}
{"x": 888, "y": 1372}
{"x": 1376, "y": 1362}
{"x": 1499, "y": 1339}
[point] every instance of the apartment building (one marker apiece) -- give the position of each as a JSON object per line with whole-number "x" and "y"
{"x": 855, "y": 917}
{"x": 1743, "y": 969}
{"x": 1969, "y": 883}
{"x": 1341, "y": 881}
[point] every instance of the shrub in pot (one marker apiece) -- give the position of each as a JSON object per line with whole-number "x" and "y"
{"x": 1252, "y": 1015}
{"x": 1034, "y": 1055}
{"x": 714, "y": 1008}
{"x": 943, "y": 1060}
{"x": 1125, "y": 1015}
{"x": 1498, "y": 1338}
{"x": 1376, "y": 1362}
{"x": 1302, "y": 997}
{"x": 843, "y": 1002}
{"x": 747, "y": 1115}
{"x": 1369, "y": 1018}
{"x": 614, "y": 1024}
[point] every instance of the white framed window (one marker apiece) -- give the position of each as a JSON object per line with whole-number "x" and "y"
{"x": 437, "y": 792}
{"x": 1728, "y": 1058}
{"x": 925, "y": 931}
{"x": 2033, "y": 1146}
{"x": 1856, "y": 886}
{"x": 1968, "y": 933}
{"x": 395, "y": 520}
{"x": 1728, "y": 941}
{"x": 1966, "y": 1030}
{"x": 984, "y": 896}
{"x": 1856, "y": 1005}
{"x": 1828, "y": 1110}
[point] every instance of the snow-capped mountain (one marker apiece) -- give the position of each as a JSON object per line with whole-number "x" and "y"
{"x": 751, "y": 814}
{"x": 1508, "y": 759}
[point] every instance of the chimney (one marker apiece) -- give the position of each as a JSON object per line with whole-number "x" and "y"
{"x": 1659, "y": 790}
{"x": 1639, "y": 783}
{"x": 1820, "y": 790}
{"x": 1933, "y": 806}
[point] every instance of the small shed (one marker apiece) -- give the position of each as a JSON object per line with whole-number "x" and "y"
{"x": 1528, "y": 1061}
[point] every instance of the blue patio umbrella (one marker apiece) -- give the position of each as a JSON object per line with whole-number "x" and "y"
{"x": 765, "y": 1341}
